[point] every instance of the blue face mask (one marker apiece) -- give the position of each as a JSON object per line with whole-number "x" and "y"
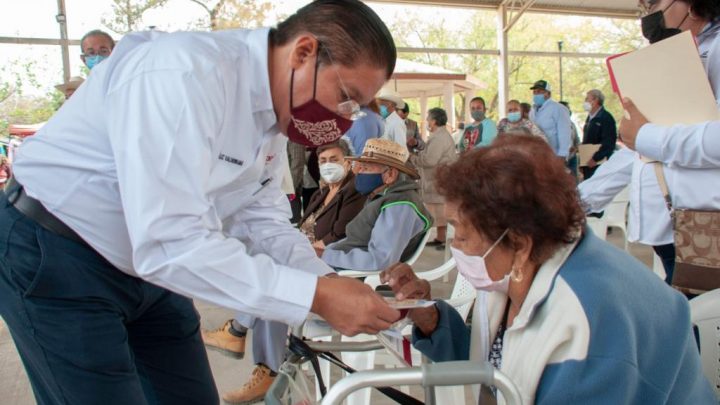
{"x": 514, "y": 116}
{"x": 539, "y": 99}
{"x": 384, "y": 111}
{"x": 92, "y": 61}
{"x": 366, "y": 183}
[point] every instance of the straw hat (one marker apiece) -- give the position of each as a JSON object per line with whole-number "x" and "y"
{"x": 72, "y": 84}
{"x": 388, "y": 153}
{"x": 391, "y": 96}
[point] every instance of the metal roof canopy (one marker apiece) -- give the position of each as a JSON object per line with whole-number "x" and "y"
{"x": 413, "y": 79}
{"x": 593, "y": 8}
{"x": 510, "y": 11}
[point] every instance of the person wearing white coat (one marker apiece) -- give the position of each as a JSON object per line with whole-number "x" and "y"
{"x": 690, "y": 154}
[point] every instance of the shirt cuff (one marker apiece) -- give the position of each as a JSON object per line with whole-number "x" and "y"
{"x": 649, "y": 141}
{"x": 297, "y": 289}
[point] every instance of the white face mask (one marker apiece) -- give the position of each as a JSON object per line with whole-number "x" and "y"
{"x": 332, "y": 172}
{"x": 587, "y": 106}
{"x": 474, "y": 270}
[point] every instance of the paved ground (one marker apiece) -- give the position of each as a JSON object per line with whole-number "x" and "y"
{"x": 229, "y": 373}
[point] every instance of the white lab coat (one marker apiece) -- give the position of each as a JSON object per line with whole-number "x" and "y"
{"x": 691, "y": 157}
{"x": 168, "y": 161}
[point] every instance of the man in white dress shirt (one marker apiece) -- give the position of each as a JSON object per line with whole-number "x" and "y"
{"x": 395, "y": 128}
{"x": 159, "y": 180}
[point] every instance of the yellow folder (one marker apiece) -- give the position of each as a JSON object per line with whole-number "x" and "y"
{"x": 666, "y": 81}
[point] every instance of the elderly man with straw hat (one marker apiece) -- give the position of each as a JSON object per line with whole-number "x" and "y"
{"x": 70, "y": 86}
{"x": 390, "y": 103}
{"x": 391, "y": 225}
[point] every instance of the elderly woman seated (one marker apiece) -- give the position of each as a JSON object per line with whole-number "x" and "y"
{"x": 568, "y": 317}
{"x": 392, "y": 224}
{"x": 333, "y": 206}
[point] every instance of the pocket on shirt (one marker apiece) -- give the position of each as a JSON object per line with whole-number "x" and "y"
{"x": 228, "y": 204}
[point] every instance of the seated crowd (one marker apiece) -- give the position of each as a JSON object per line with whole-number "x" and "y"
{"x": 565, "y": 315}
{"x": 541, "y": 274}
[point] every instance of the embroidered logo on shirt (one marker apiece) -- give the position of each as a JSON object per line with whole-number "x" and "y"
{"x": 230, "y": 159}
{"x": 269, "y": 158}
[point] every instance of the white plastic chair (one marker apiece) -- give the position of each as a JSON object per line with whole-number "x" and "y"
{"x": 419, "y": 250}
{"x": 705, "y": 314}
{"x": 598, "y": 226}
{"x": 429, "y": 275}
{"x": 616, "y": 212}
{"x": 461, "y": 298}
{"x": 658, "y": 267}
{"x": 369, "y": 273}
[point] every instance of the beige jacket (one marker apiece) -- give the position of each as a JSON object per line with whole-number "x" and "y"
{"x": 440, "y": 149}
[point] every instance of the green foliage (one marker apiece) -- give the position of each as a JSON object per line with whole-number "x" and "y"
{"x": 226, "y": 14}
{"x": 533, "y": 32}
{"x": 127, "y": 14}
{"x": 16, "y": 105}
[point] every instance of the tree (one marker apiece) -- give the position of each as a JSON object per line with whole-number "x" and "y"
{"x": 225, "y": 14}
{"x": 16, "y": 107}
{"x": 127, "y": 14}
{"x": 533, "y": 32}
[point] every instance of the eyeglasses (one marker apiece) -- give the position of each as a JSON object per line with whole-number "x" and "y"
{"x": 648, "y": 6}
{"x": 102, "y": 52}
{"x": 349, "y": 106}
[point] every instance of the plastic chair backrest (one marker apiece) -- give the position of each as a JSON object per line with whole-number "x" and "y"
{"x": 373, "y": 276}
{"x": 462, "y": 296}
{"x": 410, "y": 261}
{"x": 429, "y": 275}
{"x": 705, "y": 314}
{"x": 598, "y": 226}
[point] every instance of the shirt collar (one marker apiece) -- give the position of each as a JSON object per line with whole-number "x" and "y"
{"x": 591, "y": 116}
{"x": 544, "y": 282}
{"x": 258, "y": 49}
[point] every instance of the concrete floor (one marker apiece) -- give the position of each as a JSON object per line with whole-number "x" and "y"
{"x": 229, "y": 373}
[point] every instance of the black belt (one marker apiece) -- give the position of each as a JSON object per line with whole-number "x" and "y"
{"x": 34, "y": 210}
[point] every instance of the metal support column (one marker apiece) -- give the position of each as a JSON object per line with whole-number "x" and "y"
{"x": 423, "y": 114}
{"x": 469, "y": 94}
{"x": 449, "y": 103}
{"x": 560, "y": 58}
{"x": 61, "y": 18}
{"x": 502, "y": 41}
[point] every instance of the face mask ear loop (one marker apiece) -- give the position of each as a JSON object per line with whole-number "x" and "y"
{"x": 317, "y": 65}
{"x": 497, "y": 242}
{"x": 292, "y": 80}
{"x": 683, "y": 21}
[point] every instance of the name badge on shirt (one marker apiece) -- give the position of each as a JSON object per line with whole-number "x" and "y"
{"x": 230, "y": 159}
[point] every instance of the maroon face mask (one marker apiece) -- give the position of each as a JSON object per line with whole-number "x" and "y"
{"x": 311, "y": 124}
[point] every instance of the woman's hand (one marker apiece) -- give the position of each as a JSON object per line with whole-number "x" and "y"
{"x": 406, "y": 285}
{"x": 629, "y": 127}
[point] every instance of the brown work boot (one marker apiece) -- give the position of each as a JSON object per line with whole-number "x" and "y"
{"x": 224, "y": 341}
{"x": 254, "y": 390}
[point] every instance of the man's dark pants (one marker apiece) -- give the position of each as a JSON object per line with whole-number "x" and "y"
{"x": 88, "y": 333}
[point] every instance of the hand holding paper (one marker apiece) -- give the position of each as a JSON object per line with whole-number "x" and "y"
{"x": 629, "y": 127}
{"x": 649, "y": 77}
